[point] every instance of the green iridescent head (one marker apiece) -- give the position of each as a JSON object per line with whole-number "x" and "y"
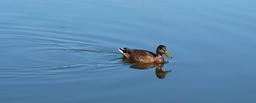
{"x": 161, "y": 49}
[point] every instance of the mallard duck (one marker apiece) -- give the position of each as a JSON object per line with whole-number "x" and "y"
{"x": 144, "y": 56}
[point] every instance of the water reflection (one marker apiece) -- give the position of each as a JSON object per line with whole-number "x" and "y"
{"x": 159, "y": 71}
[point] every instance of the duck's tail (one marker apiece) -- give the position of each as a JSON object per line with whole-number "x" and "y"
{"x": 122, "y": 50}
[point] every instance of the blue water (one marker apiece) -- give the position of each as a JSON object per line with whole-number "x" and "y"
{"x": 56, "y": 51}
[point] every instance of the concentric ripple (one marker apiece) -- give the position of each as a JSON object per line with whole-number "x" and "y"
{"x": 37, "y": 54}
{"x": 64, "y": 51}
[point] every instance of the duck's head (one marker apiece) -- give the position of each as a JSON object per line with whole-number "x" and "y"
{"x": 161, "y": 49}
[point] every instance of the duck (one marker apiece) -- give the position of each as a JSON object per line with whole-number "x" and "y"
{"x": 145, "y": 56}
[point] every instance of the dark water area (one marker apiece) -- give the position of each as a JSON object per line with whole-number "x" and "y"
{"x": 55, "y": 51}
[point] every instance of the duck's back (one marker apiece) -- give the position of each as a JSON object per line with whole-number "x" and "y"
{"x": 136, "y": 55}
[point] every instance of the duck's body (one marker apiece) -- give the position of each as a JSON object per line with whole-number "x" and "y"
{"x": 144, "y": 56}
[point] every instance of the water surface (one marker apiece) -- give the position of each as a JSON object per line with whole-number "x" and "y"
{"x": 55, "y": 51}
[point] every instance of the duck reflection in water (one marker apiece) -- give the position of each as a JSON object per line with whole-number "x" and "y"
{"x": 159, "y": 72}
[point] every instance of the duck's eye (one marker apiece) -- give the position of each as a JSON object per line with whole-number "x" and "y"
{"x": 162, "y": 51}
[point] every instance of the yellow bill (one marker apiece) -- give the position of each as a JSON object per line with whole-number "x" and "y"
{"x": 167, "y": 54}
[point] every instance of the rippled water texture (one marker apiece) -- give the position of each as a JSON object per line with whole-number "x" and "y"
{"x": 55, "y": 51}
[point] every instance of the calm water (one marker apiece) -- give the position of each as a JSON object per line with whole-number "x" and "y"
{"x": 60, "y": 51}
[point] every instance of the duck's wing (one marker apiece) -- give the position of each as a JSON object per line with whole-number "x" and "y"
{"x": 137, "y": 55}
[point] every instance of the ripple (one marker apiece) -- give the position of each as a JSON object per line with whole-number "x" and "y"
{"x": 50, "y": 54}
{"x": 52, "y": 49}
{"x": 53, "y": 74}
